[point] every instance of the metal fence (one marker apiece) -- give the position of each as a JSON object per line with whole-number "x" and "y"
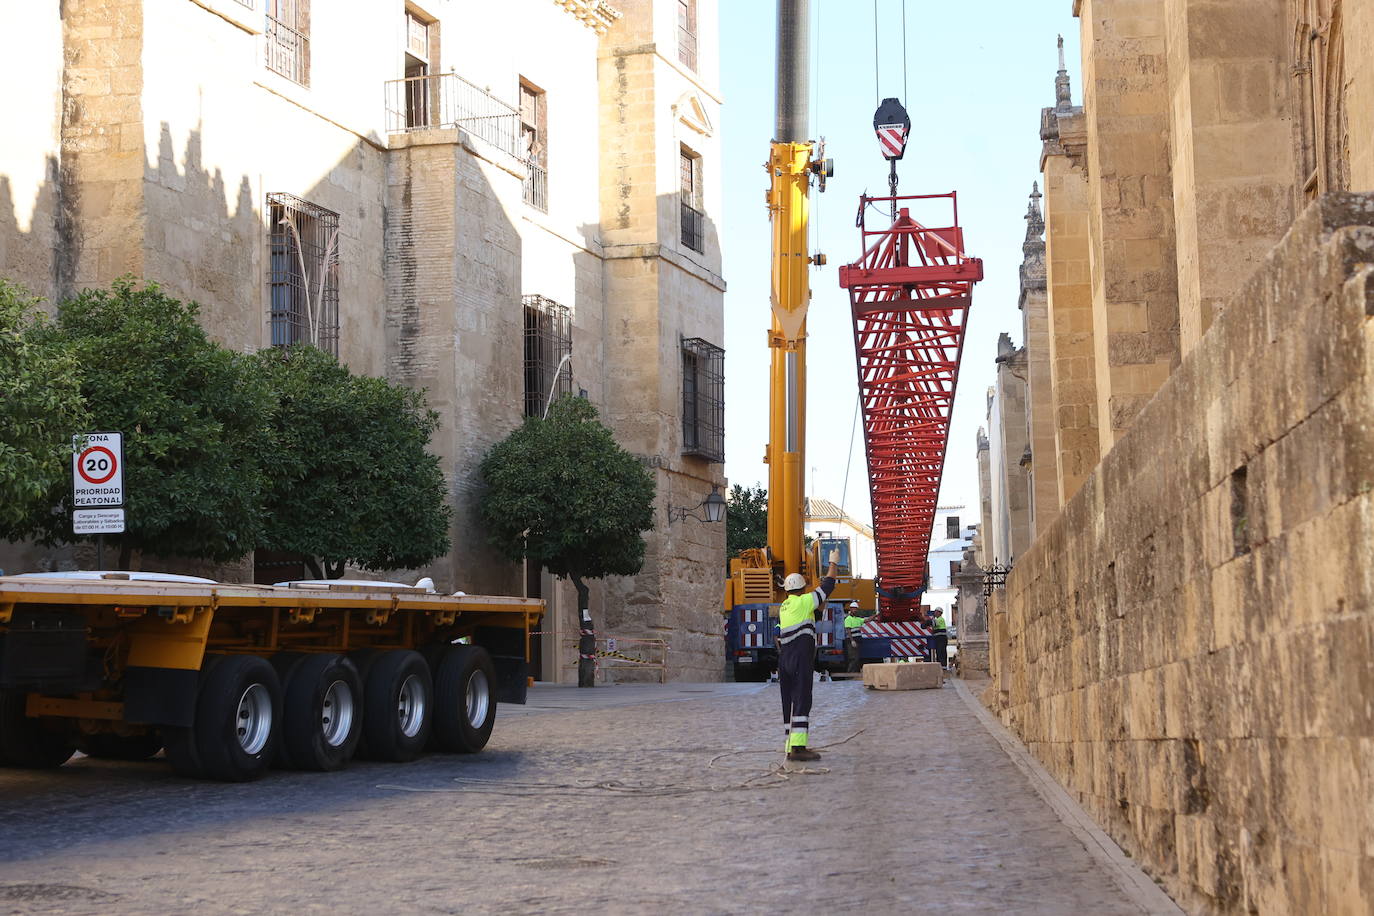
{"x": 446, "y": 100}
{"x": 693, "y": 228}
{"x": 537, "y": 187}
{"x": 288, "y": 51}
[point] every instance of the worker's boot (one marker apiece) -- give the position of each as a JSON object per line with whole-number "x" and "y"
{"x": 802, "y": 754}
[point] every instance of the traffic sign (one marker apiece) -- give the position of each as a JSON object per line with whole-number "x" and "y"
{"x": 98, "y": 521}
{"x": 98, "y": 470}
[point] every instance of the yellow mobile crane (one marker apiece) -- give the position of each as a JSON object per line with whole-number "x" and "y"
{"x": 794, "y": 163}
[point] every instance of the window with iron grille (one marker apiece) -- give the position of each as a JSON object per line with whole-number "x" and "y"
{"x": 302, "y": 273}
{"x": 693, "y": 220}
{"x": 534, "y": 145}
{"x": 287, "y": 39}
{"x": 687, "y": 33}
{"x": 703, "y": 399}
{"x": 952, "y": 531}
{"x": 548, "y": 343}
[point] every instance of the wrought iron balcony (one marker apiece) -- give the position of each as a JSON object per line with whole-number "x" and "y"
{"x": 693, "y": 228}
{"x": 537, "y": 187}
{"x": 446, "y": 100}
{"x": 288, "y": 51}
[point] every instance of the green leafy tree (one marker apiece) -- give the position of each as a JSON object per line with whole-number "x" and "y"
{"x": 746, "y": 519}
{"x": 349, "y": 478}
{"x": 193, "y": 417}
{"x": 562, "y": 493}
{"x": 40, "y": 409}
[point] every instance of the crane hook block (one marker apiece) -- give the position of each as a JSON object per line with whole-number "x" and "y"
{"x": 892, "y": 126}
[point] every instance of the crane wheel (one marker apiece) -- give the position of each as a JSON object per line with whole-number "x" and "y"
{"x": 464, "y": 699}
{"x": 398, "y": 701}
{"x": 237, "y": 724}
{"x": 322, "y": 718}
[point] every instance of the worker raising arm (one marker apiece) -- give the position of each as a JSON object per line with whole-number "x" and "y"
{"x": 797, "y": 617}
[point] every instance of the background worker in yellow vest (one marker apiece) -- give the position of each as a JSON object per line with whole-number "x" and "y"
{"x": 854, "y": 619}
{"x": 940, "y": 631}
{"x": 796, "y": 641}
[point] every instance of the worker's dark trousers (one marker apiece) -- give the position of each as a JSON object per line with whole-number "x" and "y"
{"x": 796, "y": 660}
{"x": 941, "y": 641}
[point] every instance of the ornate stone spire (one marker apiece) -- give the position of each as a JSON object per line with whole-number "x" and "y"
{"x": 1035, "y": 224}
{"x": 1063, "y": 92}
{"x": 1033, "y": 267}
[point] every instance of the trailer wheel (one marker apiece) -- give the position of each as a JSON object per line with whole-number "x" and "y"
{"x": 323, "y": 713}
{"x": 464, "y": 699}
{"x": 398, "y": 704}
{"x": 238, "y": 717}
{"x": 108, "y": 746}
{"x": 30, "y": 743}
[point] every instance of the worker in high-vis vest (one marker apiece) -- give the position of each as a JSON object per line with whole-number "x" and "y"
{"x": 854, "y": 619}
{"x": 797, "y": 616}
{"x": 939, "y": 630}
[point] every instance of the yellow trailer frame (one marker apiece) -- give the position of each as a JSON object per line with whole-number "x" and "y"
{"x": 148, "y": 640}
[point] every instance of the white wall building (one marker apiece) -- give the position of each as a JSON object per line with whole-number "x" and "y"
{"x": 481, "y": 190}
{"x": 825, "y": 519}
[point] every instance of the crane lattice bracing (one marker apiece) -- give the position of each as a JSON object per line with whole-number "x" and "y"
{"x": 909, "y": 294}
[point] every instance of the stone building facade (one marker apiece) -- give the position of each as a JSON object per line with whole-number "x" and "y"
{"x": 1186, "y": 643}
{"x": 489, "y": 201}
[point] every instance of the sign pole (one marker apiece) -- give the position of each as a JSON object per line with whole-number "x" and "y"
{"x": 100, "y": 551}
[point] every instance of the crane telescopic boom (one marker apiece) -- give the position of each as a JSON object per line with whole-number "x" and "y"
{"x": 792, "y": 162}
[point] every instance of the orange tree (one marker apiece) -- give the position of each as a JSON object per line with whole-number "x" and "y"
{"x": 563, "y": 494}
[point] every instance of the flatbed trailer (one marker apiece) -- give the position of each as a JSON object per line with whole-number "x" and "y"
{"x": 233, "y": 679}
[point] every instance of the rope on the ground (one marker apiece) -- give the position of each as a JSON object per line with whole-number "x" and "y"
{"x": 775, "y": 775}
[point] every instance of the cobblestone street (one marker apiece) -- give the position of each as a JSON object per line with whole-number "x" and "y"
{"x": 622, "y": 799}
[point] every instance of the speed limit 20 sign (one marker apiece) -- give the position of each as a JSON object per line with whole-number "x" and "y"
{"x": 98, "y": 470}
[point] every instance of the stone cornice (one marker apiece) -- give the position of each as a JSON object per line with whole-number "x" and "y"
{"x": 597, "y": 15}
{"x": 663, "y": 252}
{"x": 1065, "y": 133}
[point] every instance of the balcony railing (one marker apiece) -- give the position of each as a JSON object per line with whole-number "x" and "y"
{"x": 687, "y": 48}
{"x": 537, "y": 187}
{"x": 693, "y": 228}
{"x": 288, "y": 51}
{"x": 446, "y": 100}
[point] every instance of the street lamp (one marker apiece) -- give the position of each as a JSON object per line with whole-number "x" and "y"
{"x": 713, "y": 504}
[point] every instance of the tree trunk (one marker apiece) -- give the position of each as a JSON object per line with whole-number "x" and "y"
{"x": 126, "y": 552}
{"x": 586, "y": 642}
{"x": 334, "y": 570}
{"x": 313, "y": 565}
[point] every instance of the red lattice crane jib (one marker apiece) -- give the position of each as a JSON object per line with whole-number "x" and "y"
{"x": 909, "y": 293}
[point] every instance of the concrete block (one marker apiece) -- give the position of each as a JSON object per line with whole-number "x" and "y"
{"x": 904, "y": 676}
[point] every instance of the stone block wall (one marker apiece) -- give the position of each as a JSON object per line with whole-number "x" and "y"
{"x": 1188, "y": 647}
{"x": 1130, "y": 208}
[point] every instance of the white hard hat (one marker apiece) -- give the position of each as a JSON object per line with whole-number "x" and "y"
{"x": 853, "y": 604}
{"x": 794, "y": 582}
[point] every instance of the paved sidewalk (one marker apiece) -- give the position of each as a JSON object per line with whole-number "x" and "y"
{"x": 623, "y": 799}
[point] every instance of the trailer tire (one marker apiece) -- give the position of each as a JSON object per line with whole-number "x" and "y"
{"x": 398, "y": 705}
{"x": 464, "y": 699}
{"x": 109, "y": 746}
{"x": 322, "y": 721}
{"x": 30, "y": 743}
{"x": 237, "y": 725}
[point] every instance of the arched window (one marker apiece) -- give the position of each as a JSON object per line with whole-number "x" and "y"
{"x": 1319, "y": 75}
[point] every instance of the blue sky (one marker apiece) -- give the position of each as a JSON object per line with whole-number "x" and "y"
{"x": 978, "y": 72}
